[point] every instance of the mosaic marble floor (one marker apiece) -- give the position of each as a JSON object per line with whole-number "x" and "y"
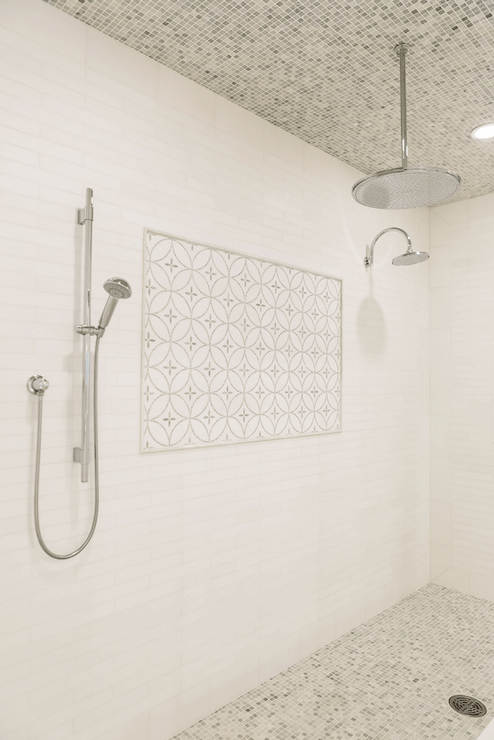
{"x": 389, "y": 678}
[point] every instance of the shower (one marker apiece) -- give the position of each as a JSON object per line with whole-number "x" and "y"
{"x": 410, "y": 257}
{"x": 405, "y": 187}
{"x": 118, "y": 289}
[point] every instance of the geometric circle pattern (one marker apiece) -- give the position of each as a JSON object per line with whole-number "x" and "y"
{"x": 235, "y": 348}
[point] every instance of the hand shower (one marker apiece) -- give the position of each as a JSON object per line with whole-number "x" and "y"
{"x": 117, "y": 288}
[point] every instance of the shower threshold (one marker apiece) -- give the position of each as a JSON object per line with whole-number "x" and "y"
{"x": 392, "y": 678}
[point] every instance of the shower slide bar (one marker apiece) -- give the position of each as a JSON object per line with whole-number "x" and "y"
{"x": 117, "y": 288}
{"x": 85, "y": 218}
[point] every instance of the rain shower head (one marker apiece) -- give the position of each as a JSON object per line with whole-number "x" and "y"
{"x": 117, "y": 288}
{"x": 406, "y": 188}
{"x": 409, "y": 258}
{"x": 403, "y": 187}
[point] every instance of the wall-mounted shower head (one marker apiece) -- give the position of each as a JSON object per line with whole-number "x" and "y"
{"x": 118, "y": 288}
{"x": 409, "y": 258}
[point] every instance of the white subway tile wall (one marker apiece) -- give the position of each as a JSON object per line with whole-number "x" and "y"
{"x": 211, "y": 569}
{"x": 462, "y": 377}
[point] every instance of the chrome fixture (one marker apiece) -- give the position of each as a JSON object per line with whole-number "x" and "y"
{"x": 409, "y": 258}
{"x": 405, "y": 187}
{"x": 85, "y": 218}
{"x": 117, "y": 288}
{"x": 467, "y": 705}
{"x": 37, "y": 384}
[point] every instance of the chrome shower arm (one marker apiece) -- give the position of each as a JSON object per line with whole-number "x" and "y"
{"x": 85, "y": 218}
{"x": 405, "y": 187}
{"x": 401, "y": 49}
{"x": 369, "y": 253}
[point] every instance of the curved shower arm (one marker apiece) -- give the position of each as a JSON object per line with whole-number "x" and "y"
{"x": 369, "y": 253}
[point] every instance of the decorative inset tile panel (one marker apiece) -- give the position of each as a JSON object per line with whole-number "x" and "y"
{"x": 235, "y": 348}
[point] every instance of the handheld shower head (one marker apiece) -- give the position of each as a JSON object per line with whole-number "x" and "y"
{"x": 117, "y": 288}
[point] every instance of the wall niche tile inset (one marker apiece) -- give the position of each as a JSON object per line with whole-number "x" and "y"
{"x": 235, "y": 348}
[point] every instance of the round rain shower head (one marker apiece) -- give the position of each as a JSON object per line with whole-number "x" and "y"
{"x": 118, "y": 288}
{"x": 410, "y": 258}
{"x": 403, "y": 187}
{"x": 406, "y": 188}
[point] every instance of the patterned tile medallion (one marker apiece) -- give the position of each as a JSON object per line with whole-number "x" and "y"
{"x": 324, "y": 70}
{"x": 235, "y": 348}
{"x": 389, "y": 678}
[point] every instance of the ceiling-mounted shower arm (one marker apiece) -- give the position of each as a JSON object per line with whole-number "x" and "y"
{"x": 369, "y": 254}
{"x": 405, "y": 187}
{"x": 401, "y": 49}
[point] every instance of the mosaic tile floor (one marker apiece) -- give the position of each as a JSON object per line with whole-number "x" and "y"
{"x": 389, "y": 678}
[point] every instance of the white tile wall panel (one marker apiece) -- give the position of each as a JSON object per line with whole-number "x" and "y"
{"x": 463, "y": 471}
{"x": 211, "y": 569}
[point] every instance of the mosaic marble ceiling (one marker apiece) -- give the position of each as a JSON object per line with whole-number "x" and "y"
{"x": 325, "y": 70}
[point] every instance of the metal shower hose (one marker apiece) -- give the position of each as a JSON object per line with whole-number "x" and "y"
{"x": 96, "y": 468}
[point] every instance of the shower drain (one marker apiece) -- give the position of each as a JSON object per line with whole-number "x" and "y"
{"x": 467, "y": 705}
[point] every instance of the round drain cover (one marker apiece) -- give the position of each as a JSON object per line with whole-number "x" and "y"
{"x": 467, "y": 705}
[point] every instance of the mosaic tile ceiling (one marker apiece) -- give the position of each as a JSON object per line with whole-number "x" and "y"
{"x": 325, "y": 71}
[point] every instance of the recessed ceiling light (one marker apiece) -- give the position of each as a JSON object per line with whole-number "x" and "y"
{"x": 486, "y": 131}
